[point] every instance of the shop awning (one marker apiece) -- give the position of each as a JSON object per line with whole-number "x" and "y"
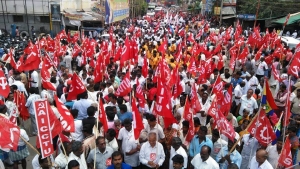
{"x": 294, "y": 18}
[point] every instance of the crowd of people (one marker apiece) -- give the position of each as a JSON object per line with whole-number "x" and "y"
{"x": 174, "y": 51}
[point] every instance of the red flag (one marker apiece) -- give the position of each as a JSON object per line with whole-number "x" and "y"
{"x": 145, "y": 68}
{"x": 218, "y": 87}
{"x": 192, "y": 67}
{"x": 76, "y": 50}
{"x": 188, "y": 115}
{"x": 125, "y": 86}
{"x": 16, "y": 65}
{"x": 275, "y": 73}
{"x": 244, "y": 54}
{"x": 125, "y": 52}
{"x": 102, "y": 116}
{"x": 9, "y": 134}
{"x": 5, "y": 89}
{"x": 99, "y": 69}
{"x": 226, "y": 101}
{"x": 194, "y": 99}
{"x": 162, "y": 105}
{"x": 285, "y": 157}
{"x": 259, "y": 52}
{"x": 137, "y": 122}
{"x": 61, "y": 35}
{"x": 191, "y": 38}
{"x": 286, "y": 20}
{"x": 295, "y": 64}
{"x": 177, "y": 87}
{"x": 225, "y": 126}
{"x": 42, "y": 108}
{"x": 140, "y": 95}
{"x": 163, "y": 47}
{"x": 66, "y": 119}
{"x": 21, "y": 102}
{"x": 76, "y": 87}
{"x": 45, "y": 76}
{"x": 50, "y": 44}
{"x": 261, "y": 129}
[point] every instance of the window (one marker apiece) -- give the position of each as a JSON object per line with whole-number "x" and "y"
{"x": 44, "y": 19}
{"x": 18, "y": 18}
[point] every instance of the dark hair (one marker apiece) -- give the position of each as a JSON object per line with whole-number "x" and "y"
{"x": 196, "y": 120}
{"x": 215, "y": 132}
{"x": 292, "y": 129}
{"x": 41, "y": 159}
{"x": 151, "y": 117}
{"x": 123, "y": 107}
{"x": 204, "y": 129}
{"x": 232, "y": 166}
{"x": 186, "y": 123}
{"x": 110, "y": 115}
{"x": 73, "y": 163}
{"x": 111, "y": 132}
{"x": 208, "y": 148}
{"x": 99, "y": 138}
{"x": 91, "y": 111}
{"x": 74, "y": 113}
{"x": 116, "y": 154}
{"x": 127, "y": 121}
{"x": 178, "y": 159}
{"x": 32, "y": 90}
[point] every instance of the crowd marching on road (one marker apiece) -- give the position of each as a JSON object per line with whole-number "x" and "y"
{"x": 166, "y": 92}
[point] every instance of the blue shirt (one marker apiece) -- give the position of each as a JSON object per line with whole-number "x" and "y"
{"x": 124, "y": 166}
{"x": 82, "y": 105}
{"x": 234, "y": 82}
{"x": 235, "y": 157}
{"x": 127, "y": 115}
{"x": 195, "y": 147}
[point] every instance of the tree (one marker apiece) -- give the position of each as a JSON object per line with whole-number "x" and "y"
{"x": 268, "y": 8}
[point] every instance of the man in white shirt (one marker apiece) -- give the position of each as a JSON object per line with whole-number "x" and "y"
{"x": 152, "y": 153}
{"x": 62, "y": 159}
{"x": 274, "y": 152}
{"x": 30, "y": 106}
{"x": 261, "y": 68}
{"x": 176, "y": 148}
{"x": 129, "y": 144}
{"x": 111, "y": 140}
{"x": 20, "y": 85}
{"x": 248, "y": 102}
{"x": 77, "y": 154}
{"x": 153, "y": 126}
{"x": 260, "y": 161}
{"x": 238, "y": 92}
{"x": 34, "y": 79}
{"x": 218, "y": 143}
{"x": 203, "y": 160}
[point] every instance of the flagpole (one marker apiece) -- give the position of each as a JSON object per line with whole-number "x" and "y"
{"x": 96, "y": 134}
{"x": 31, "y": 146}
{"x": 236, "y": 143}
{"x": 286, "y": 108}
{"x": 64, "y": 149}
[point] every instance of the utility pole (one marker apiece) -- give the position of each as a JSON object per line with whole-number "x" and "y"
{"x": 221, "y": 17}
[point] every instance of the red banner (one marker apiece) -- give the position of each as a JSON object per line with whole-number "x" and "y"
{"x": 43, "y": 125}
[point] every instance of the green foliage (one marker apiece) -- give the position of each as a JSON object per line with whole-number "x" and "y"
{"x": 268, "y": 8}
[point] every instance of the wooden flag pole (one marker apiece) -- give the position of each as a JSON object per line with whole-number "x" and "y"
{"x": 31, "y": 146}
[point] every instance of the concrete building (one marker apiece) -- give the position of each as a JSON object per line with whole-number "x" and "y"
{"x": 28, "y": 13}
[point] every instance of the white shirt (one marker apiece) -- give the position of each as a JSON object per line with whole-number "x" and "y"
{"x": 25, "y": 136}
{"x": 273, "y": 155}
{"x": 77, "y": 135}
{"x": 61, "y": 160}
{"x": 260, "y": 68}
{"x": 253, "y": 81}
{"x": 210, "y": 163}
{"x": 35, "y": 162}
{"x": 180, "y": 151}
{"x": 112, "y": 144}
{"x": 81, "y": 160}
{"x": 20, "y": 86}
{"x": 157, "y": 129}
{"x": 125, "y": 136}
{"x": 238, "y": 92}
{"x": 45, "y": 94}
{"x": 155, "y": 154}
{"x": 254, "y": 164}
{"x": 35, "y": 78}
{"x": 249, "y": 104}
{"x": 217, "y": 146}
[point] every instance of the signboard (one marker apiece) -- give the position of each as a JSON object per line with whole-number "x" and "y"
{"x": 249, "y": 17}
{"x": 217, "y": 10}
{"x": 116, "y": 10}
{"x": 55, "y": 12}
